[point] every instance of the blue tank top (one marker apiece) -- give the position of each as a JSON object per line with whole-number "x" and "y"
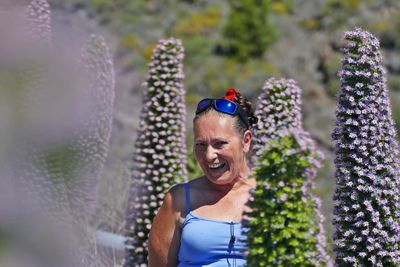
{"x": 211, "y": 243}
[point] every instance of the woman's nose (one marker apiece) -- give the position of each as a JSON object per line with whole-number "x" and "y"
{"x": 211, "y": 153}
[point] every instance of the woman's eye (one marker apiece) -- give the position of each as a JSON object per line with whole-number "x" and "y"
{"x": 201, "y": 145}
{"x": 220, "y": 144}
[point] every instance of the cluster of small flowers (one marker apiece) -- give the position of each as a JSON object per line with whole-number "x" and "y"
{"x": 92, "y": 142}
{"x": 57, "y": 168}
{"x": 279, "y": 113}
{"x": 66, "y": 163}
{"x": 278, "y": 109}
{"x": 366, "y": 210}
{"x": 160, "y": 155}
{"x": 38, "y": 14}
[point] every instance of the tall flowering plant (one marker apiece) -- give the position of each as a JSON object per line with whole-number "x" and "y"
{"x": 366, "y": 210}
{"x": 160, "y": 149}
{"x": 56, "y": 153}
{"x": 278, "y": 109}
{"x": 285, "y": 224}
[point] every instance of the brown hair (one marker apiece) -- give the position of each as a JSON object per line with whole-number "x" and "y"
{"x": 247, "y": 107}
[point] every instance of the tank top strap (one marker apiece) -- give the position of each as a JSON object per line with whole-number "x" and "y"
{"x": 187, "y": 192}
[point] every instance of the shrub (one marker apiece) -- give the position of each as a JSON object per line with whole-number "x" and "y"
{"x": 285, "y": 225}
{"x": 284, "y": 228}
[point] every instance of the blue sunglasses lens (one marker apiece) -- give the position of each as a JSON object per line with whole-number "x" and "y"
{"x": 226, "y": 106}
{"x": 203, "y": 105}
{"x": 222, "y": 105}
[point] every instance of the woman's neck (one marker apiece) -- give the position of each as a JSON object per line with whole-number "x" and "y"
{"x": 241, "y": 181}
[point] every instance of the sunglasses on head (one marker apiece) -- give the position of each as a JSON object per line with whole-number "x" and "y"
{"x": 224, "y": 106}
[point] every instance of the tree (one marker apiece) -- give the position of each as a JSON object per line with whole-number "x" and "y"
{"x": 248, "y": 31}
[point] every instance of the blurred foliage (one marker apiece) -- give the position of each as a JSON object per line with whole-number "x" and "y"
{"x": 395, "y": 103}
{"x": 394, "y": 83}
{"x": 329, "y": 67}
{"x": 102, "y": 5}
{"x": 381, "y": 26}
{"x": 4, "y": 238}
{"x": 197, "y": 23}
{"x": 345, "y": 4}
{"x": 194, "y": 169}
{"x": 131, "y": 41}
{"x": 248, "y": 31}
{"x": 310, "y": 24}
{"x": 12, "y": 81}
{"x": 148, "y": 51}
{"x": 282, "y": 7}
{"x": 61, "y": 163}
{"x": 336, "y": 13}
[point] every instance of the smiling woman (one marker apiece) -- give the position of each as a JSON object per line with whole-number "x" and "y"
{"x": 199, "y": 223}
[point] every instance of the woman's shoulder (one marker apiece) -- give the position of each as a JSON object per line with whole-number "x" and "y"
{"x": 181, "y": 187}
{"x": 177, "y": 193}
{"x": 198, "y": 183}
{"x": 176, "y": 196}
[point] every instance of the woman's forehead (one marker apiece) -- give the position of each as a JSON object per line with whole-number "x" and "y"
{"x": 214, "y": 119}
{"x": 213, "y": 125}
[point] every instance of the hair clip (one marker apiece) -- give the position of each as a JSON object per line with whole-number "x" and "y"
{"x": 231, "y": 94}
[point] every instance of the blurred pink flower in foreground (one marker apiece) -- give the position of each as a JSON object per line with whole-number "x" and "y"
{"x": 55, "y": 122}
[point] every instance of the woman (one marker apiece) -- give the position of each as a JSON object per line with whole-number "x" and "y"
{"x": 199, "y": 223}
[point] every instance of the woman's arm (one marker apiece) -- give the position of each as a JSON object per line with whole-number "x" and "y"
{"x": 165, "y": 233}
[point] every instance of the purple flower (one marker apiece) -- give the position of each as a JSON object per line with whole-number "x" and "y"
{"x": 160, "y": 148}
{"x": 61, "y": 138}
{"x": 367, "y": 166}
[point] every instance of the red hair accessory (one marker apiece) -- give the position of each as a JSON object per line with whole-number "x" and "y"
{"x": 231, "y": 94}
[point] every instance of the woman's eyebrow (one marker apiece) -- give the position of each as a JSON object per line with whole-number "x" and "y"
{"x": 221, "y": 139}
{"x": 216, "y": 139}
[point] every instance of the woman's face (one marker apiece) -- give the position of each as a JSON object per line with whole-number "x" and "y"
{"x": 220, "y": 149}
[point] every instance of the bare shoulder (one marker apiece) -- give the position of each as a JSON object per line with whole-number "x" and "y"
{"x": 164, "y": 235}
{"x": 197, "y": 183}
{"x": 199, "y": 191}
{"x": 197, "y": 188}
{"x": 175, "y": 199}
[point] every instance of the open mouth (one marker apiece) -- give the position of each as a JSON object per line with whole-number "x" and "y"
{"x": 216, "y": 166}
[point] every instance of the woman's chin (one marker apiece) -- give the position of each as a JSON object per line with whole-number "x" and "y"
{"x": 216, "y": 173}
{"x": 222, "y": 178}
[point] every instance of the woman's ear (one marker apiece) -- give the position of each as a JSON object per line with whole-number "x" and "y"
{"x": 247, "y": 139}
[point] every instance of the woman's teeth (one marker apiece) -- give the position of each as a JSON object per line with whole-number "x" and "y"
{"x": 216, "y": 165}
